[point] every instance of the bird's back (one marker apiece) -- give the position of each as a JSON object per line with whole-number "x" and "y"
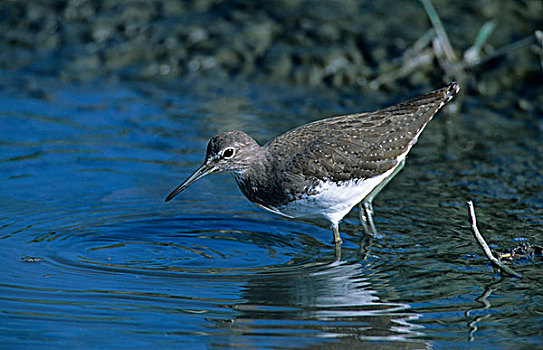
{"x": 356, "y": 146}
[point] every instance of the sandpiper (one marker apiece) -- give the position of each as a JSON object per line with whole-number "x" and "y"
{"x": 321, "y": 170}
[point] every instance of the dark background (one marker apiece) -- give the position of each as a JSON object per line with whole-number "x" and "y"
{"x": 348, "y": 45}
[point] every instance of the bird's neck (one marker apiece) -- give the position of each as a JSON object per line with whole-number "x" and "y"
{"x": 256, "y": 171}
{"x": 258, "y": 182}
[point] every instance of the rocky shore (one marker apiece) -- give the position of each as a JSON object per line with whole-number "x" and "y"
{"x": 343, "y": 44}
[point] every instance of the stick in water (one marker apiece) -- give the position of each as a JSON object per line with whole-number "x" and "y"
{"x": 480, "y": 239}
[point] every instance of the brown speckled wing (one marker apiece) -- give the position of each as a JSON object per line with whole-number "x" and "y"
{"x": 356, "y": 146}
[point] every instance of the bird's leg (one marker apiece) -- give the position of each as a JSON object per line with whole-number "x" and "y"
{"x": 366, "y": 208}
{"x": 337, "y": 237}
{"x": 366, "y": 218}
{"x": 363, "y": 219}
{"x": 337, "y": 251}
{"x": 366, "y": 243}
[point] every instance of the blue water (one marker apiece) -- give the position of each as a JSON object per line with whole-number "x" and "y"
{"x": 92, "y": 257}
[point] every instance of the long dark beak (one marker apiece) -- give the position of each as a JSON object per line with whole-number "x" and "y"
{"x": 202, "y": 171}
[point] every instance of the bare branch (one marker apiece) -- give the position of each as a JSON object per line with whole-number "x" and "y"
{"x": 480, "y": 239}
{"x": 440, "y": 30}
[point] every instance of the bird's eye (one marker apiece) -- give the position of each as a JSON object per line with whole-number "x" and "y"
{"x": 228, "y": 153}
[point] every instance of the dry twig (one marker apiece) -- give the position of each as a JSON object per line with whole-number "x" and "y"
{"x": 435, "y": 44}
{"x": 480, "y": 239}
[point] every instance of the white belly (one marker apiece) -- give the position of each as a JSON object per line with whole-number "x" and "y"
{"x": 332, "y": 201}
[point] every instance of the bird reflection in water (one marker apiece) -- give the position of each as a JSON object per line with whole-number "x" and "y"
{"x": 319, "y": 301}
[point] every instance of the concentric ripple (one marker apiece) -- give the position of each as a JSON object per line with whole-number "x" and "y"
{"x": 93, "y": 257}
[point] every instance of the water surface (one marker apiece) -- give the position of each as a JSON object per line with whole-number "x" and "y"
{"x": 92, "y": 256}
